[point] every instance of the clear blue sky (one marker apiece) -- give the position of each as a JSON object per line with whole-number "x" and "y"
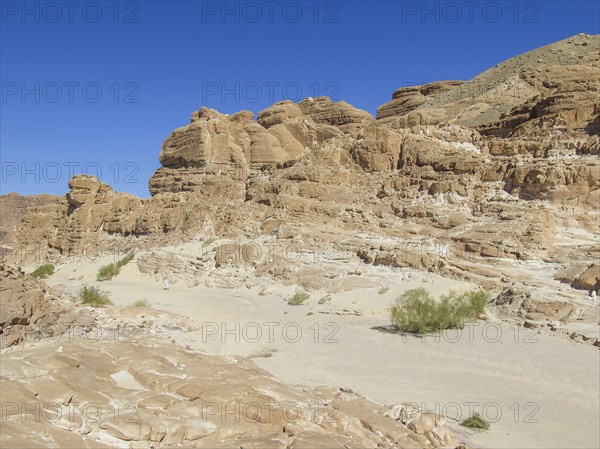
{"x": 100, "y": 85}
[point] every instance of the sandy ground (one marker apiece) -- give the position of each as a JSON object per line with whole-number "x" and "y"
{"x": 539, "y": 391}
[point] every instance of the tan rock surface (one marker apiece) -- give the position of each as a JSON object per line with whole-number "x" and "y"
{"x": 474, "y": 193}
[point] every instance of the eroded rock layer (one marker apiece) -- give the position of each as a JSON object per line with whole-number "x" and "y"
{"x": 504, "y": 184}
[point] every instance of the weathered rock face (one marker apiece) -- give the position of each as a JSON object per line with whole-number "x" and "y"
{"x": 151, "y": 393}
{"x": 210, "y": 137}
{"x": 323, "y": 110}
{"x": 409, "y": 98}
{"x": 568, "y": 183}
{"x": 557, "y": 84}
{"x": 215, "y": 144}
{"x": 589, "y": 280}
{"x": 497, "y": 180}
{"x": 14, "y": 207}
{"x": 29, "y": 309}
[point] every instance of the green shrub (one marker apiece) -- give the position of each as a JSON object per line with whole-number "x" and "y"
{"x": 383, "y": 290}
{"x": 109, "y": 271}
{"x": 125, "y": 260}
{"x": 477, "y": 301}
{"x": 141, "y": 303}
{"x": 94, "y": 298}
{"x": 298, "y": 299}
{"x": 43, "y": 271}
{"x": 476, "y": 422}
{"x": 417, "y": 312}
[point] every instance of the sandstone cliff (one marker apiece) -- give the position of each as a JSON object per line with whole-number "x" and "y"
{"x": 501, "y": 182}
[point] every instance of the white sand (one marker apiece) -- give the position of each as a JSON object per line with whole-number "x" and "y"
{"x": 547, "y": 389}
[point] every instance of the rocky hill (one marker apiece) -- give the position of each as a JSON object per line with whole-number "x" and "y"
{"x": 513, "y": 98}
{"x": 466, "y": 179}
{"x": 494, "y": 180}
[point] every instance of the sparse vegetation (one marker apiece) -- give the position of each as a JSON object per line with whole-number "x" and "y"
{"x": 324, "y": 299}
{"x": 477, "y": 301}
{"x": 94, "y": 298}
{"x": 416, "y": 311}
{"x": 125, "y": 260}
{"x": 43, "y": 271}
{"x": 208, "y": 241}
{"x": 476, "y": 422}
{"x": 141, "y": 303}
{"x": 383, "y": 290}
{"x": 109, "y": 271}
{"x": 298, "y": 299}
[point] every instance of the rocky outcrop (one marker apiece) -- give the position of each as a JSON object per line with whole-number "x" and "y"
{"x": 589, "y": 279}
{"x": 554, "y": 86}
{"x": 29, "y": 310}
{"x": 224, "y": 146}
{"x": 409, "y": 98}
{"x": 324, "y": 111}
{"x": 574, "y": 182}
{"x": 14, "y": 207}
{"x": 152, "y": 393}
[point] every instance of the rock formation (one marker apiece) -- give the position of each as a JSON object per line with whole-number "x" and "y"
{"x": 14, "y": 207}
{"x": 30, "y": 310}
{"x": 498, "y": 171}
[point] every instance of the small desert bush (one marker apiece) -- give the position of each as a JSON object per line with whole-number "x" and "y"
{"x": 298, "y": 299}
{"x": 383, "y": 290}
{"x": 94, "y": 298}
{"x": 265, "y": 353}
{"x": 43, "y": 271}
{"x": 324, "y": 299}
{"x": 109, "y": 271}
{"x": 417, "y": 312}
{"x": 476, "y": 422}
{"x": 125, "y": 260}
{"x": 477, "y": 301}
{"x": 141, "y": 303}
